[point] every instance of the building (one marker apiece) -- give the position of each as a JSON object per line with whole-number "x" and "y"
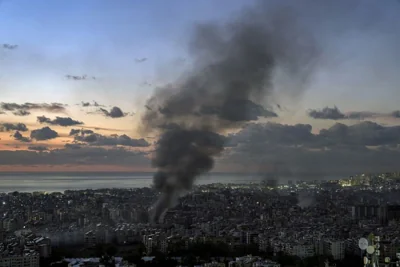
{"x": 90, "y": 239}
{"x": 383, "y": 214}
{"x": 302, "y": 250}
{"x": 251, "y": 261}
{"x": 40, "y": 244}
{"x": 393, "y": 212}
{"x": 376, "y": 212}
{"x": 335, "y": 248}
{"x": 27, "y": 259}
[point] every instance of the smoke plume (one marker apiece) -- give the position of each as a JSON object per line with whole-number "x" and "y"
{"x": 305, "y": 200}
{"x": 229, "y": 84}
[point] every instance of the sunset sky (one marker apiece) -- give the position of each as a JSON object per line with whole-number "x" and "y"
{"x": 96, "y": 62}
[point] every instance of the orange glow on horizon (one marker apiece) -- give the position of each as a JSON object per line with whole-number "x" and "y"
{"x": 73, "y": 168}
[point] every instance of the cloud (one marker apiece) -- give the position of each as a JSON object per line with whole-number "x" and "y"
{"x": 21, "y": 113}
{"x": 362, "y": 134}
{"x": 363, "y": 147}
{"x": 72, "y": 146}
{"x": 18, "y": 136}
{"x": 79, "y": 78}
{"x": 362, "y": 115}
{"x": 23, "y": 109}
{"x": 334, "y": 113}
{"x": 146, "y": 84}
{"x": 340, "y": 149}
{"x": 9, "y": 46}
{"x": 44, "y": 133}
{"x": 326, "y": 113}
{"x": 88, "y": 104}
{"x": 38, "y": 148}
{"x": 140, "y": 60}
{"x": 80, "y": 131}
{"x": 115, "y": 112}
{"x": 71, "y": 155}
{"x": 113, "y": 140}
{"x": 6, "y": 127}
{"x": 62, "y": 121}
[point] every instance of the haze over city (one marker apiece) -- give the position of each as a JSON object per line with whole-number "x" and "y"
{"x": 76, "y": 77}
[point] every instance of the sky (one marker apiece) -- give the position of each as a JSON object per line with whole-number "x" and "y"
{"x": 94, "y": 64}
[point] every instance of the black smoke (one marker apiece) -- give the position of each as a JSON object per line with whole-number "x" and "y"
{"x": 230, "y": 84}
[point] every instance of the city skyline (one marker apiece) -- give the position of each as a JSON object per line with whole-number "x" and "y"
{"x": 95, "y": 64}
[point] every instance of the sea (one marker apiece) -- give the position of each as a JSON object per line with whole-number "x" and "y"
{"x": 59, "y": 182}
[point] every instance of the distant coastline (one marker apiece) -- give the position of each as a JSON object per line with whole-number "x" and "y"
{"x": 73, "y": 173}
{"x": 59, "y": 182}
{"x": 108, "y": 173}
{"x": 267, "y": 175}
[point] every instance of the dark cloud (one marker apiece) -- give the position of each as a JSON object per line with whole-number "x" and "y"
{"x": 366, "y": 146}
{"x": 140, "y": 60}
{"x": 362, "y": 115}
{"x": 44, "y": 133}
{"x": 114, "y": 140}
{"x": 115, "y": 112}
{"x": 327, "y": 113}
{"x": 21, "y": 112}
{"x": 72, "y": 146}
{"x": 105, "y": 129}
{"x": 334, "y": 113}
{"x": 80, "y": 131}
{"x": 79, "y": 78}
{"x": 88, "y": 104}
{"x": 9, "y": 46}
{"x": 38, "y": 148}
{"x": 74, "y": 132}
{"x": 274, "y": 133}
{"x": 23, "y": 109}
{"x": 70, "y": 155}
{"x": 18, "y": 136}
{"x": 61, "y": 121}
{"x": 362, "y": 134}
{"x": 6, "y": 127}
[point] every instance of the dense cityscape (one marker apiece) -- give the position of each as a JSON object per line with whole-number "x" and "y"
{"x": 199, "y": 133}
{"x": 315, "y": 223}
